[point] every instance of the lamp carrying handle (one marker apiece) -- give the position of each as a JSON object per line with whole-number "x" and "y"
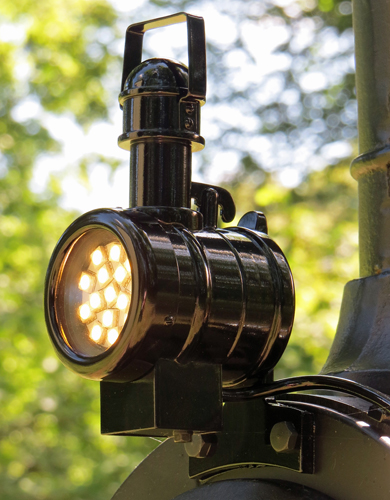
{"x": 196, "y": 50}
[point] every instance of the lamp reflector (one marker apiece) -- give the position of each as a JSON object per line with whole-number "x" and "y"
{"x": 93, "y": 292}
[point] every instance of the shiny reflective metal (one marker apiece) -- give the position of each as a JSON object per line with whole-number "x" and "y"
{"x": 228, "y": 294}
{"x": 210, "y": 308}
{"x": 161, "y": 102}
{"x": 196, "y": 50}
{"x": 200, "y": 294}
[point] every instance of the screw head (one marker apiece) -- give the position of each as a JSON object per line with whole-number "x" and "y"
{"x": 190, "y": 108}
{"x": 201, "y": 446}
{"x": 188, "y": 123}
{"x": 283, "y": 437}
{"x": 169, "y": 320}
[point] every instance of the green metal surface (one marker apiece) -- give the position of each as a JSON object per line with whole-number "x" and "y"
{"x": 371, "y": 20}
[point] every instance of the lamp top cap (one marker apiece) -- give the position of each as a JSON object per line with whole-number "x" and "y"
{"x": 157, "y": 75}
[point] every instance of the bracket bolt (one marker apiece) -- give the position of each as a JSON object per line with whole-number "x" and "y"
{"x": 283, "y": 437}
{"x": 202, "y": 446}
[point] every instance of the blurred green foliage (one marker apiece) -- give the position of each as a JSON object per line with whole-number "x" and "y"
{"x": 50, "y": 445}
{"x": 60, "y": 56}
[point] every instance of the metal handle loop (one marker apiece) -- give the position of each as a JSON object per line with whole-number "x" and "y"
{"x": 196, "y": 50}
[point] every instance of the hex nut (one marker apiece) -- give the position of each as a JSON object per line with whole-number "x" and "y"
{"x": 202, "y": 446}
{"x": 283, "y": 437}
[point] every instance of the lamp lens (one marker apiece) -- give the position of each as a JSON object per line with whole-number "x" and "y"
{"x": 93, "y": 292}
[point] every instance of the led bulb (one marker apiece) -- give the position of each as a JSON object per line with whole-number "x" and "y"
{"x": 115, "y": 253}
{"x": 112, "y": 335}
{"x": 95, "y": 300}
{"x": 96, "y": 333}
{"x": 85, "y": 312}
{"x": 108, "y": 318}
{"x": 86, "y": 282}
{"x": 127, "y": 265}
{"x": 110, "y": 294}
{"x": 103, "y": 275}
{"x": 97, "y": 257}
{"x": 120, "y": 274}
{"x": 122, "y": 301}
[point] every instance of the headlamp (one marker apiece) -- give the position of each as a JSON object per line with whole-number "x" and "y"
{"x": 125, "y": 289}
{"x": 157, "y": 294}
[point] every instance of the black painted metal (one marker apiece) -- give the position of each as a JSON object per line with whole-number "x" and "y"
{"x": 175, "y": 396}
{"x": 222, "y": 198}
{"x": 161, "y": 102}
{"x": 196, "y": 50}
{"x": 251, "y": 489}
{"x": 190, "y": 219}
{"x": 245, "y": 439}
{"x": 351, "y": 456}
{"x": 161, "y": 131}
{"x": 220, "y": 296}
{"x": 310, "y": 383}
{"x": 153, "y": 186}
{"x": 254, "y": 220}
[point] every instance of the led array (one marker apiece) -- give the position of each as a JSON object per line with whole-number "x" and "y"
{"x": 106, "y": 293}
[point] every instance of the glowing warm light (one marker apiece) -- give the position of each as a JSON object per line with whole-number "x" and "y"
{"x": 120, "y": 274}
{"x": 122, "y": 301}
{"x": 108, "y": 318}
{"x": 85, "y": 282}
{"x": 84, "y": 311}
{"x": 97, "y": 257}
{"x": 361, "y": 423}
{"x": 115, "y": 253}
{"x": 95, "y": 301}
{"x": 106, "y": 295}
{"x": 103, "y": 275}
{"x": 112, "y": 335}
{"x": 96, "y": 333}
{"x": 110, "y": 293}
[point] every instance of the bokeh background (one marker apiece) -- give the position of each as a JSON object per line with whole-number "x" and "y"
{"x": 280, "y": 129}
